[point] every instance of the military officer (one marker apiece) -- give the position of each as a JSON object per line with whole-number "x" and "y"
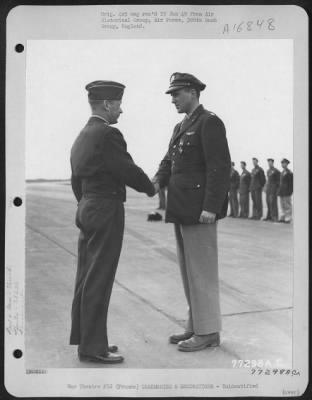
{"x": 256, "y": 186}
{"x": 244, "y": 185}
{"x": 233, "y": 193}
{"x": 101, "y": 167}
{"x": 285, "y": 192}
{"x": 196, "y": 170}
{"x": 273, "y": 180}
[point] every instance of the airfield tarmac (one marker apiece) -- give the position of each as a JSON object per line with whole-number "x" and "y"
{"x": 147, "y": 305}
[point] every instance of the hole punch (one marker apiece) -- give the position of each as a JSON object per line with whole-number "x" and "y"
{"x": 17, "y": 201}
{"x": 17, "y": 353}
{"x": 19, "y": 48}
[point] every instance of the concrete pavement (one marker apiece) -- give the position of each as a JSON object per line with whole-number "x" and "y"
{"x": 256, "y": 261}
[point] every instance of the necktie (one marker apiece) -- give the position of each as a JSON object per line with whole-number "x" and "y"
{"x": 183, "y": 123}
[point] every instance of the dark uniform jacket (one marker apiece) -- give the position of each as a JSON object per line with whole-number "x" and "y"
{"x": 257, "y": 178}
{"x": 244, "y": 183}
{"x": 196, "y": 169}
{"x": 234, "y": 180}
{"x": 101, "y": 164}
{"x": 273, "y": 181}
{"x": 286, "y": 183}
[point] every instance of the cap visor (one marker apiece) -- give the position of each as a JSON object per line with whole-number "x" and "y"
{"x": 174, "y": 89}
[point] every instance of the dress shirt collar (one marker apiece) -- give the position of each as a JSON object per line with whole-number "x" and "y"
{"x": 100, "y": 117}
{"x": 188, "y": 116}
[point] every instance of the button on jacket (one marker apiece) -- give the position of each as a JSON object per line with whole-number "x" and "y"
{"x": 196, "y": 169}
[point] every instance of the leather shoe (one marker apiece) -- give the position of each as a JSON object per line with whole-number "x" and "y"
{"x": 112, "y": 348}
{"x": 108, "y": 358}
{"x": 200, "y": 342}
{"x": 175, "y": 339}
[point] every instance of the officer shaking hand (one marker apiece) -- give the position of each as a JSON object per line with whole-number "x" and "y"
{"x": 196, "y": 171}
{"x": 101, "y": 168}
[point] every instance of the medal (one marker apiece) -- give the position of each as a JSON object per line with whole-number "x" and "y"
{"x": 180, "y": 149}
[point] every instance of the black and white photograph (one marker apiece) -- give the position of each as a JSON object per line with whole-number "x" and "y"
{"x": 162, "y": 197}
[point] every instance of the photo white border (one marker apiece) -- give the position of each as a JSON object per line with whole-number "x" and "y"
{"x": 83, "y": 22}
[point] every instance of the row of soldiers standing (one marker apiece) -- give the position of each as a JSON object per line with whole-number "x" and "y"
{"x": 277, "y": 184}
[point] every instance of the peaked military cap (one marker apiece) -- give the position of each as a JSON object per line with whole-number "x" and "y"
{"x": 270, "y": 159}
{"x": 105, "y": 90}
{"x": 284, "y": 160}
{"x": 179, "y": 80}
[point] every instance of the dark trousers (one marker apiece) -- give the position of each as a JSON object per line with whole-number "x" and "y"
{"x": 256, "y": 196}
{"x": 271, "y": 200}
{"x": 244, "y": 204}
{"x": 101, "y": 224}
{"x": 233, "y": 203}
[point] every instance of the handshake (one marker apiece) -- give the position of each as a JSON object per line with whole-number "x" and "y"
{"x": 156, "y": 187}
{"x": 154, "y": 215}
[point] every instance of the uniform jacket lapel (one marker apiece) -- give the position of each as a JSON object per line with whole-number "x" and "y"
{"x": 178, "y": 132}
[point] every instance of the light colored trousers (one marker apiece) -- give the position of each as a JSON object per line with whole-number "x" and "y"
{"x": 286, "y": 208}
{"x": 198, "y": 258}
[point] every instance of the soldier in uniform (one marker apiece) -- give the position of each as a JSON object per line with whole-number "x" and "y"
{"x": 233, "y": 192}
{"x": 256, "y": 186}
{"x": 285, "y": 192}
{"x": 273, "y": 180}
{"x": 244, "y": 185}
{"x": 101, "y": 167}
{"x": 196, "y": 170}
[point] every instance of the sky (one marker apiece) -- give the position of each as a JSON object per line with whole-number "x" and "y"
{"x": 249, "y": 86}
